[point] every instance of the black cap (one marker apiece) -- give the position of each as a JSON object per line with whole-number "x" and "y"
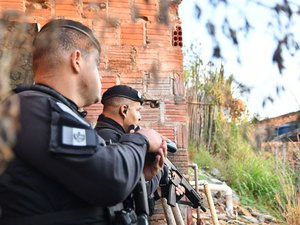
{"x": 123, "y": 91}
{"x": 71, "y": 24}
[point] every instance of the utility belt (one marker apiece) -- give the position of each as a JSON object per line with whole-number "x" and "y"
{"x": 128, "y": 217}
{"x": 61, "y": 217}
{"x": 124, "y": 217}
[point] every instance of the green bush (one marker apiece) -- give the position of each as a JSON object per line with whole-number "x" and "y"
{"x": 200, "y": 156}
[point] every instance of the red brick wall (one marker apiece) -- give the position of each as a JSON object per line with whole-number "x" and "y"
{"x": 137, "y": 50}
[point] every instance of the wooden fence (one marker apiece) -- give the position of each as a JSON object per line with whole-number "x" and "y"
{"x": 201, "y": 122}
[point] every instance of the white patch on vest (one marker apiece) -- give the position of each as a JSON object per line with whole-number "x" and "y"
{"x": 73, "y": 136}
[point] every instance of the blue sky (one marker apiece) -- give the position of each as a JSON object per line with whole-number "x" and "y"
{"x": 257, "y": 69}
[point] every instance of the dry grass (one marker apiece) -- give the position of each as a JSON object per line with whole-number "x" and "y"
{"x": 289, "y": 199}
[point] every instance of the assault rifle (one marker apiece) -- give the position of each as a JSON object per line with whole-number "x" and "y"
{"x": 176, "y": 178}
{"x": 172, "y": 179}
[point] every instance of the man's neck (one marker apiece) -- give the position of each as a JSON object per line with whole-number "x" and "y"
{"x": 69, "y": 91}
{"x": 112, "y": 119}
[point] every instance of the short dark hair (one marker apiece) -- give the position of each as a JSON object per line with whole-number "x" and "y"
{"x": 63, "y": 35}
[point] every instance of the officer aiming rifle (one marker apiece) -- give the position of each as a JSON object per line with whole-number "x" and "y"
{"x": 121, "y": 108}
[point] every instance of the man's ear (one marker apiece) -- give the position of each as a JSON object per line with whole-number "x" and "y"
{"x": 75, "y": 60}
{"x": 123, "y": 110}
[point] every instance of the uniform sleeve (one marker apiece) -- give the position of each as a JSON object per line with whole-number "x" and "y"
{"x": 50, "y": 140}
{"x": 154, "y": 183}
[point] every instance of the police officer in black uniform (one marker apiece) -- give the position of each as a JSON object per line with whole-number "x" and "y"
{"x": 121, "y": 109}
{"x": 62, "y": 172}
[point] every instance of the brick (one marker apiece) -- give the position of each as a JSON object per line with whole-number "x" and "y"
{"x": 148, "y": 15}
{"x": 132, "y": 29}
{"x": 147, "y": 10}
{"x": 106, "y": 32}
{"x": 38, "y": 13}
{"x": 137, "y": 41}
{"x": 165, "y": 130}
{"x": 119, "y": 4}
{"x": 159, "y": 91}
{"x": 94, "y": 9}
{"x": 147, "y": 59}
{"x": 119, "y": 59}
{"x": 67, "y": 10}
{"x": 108, "y": 78}
{"x": 34, "y": 8}
{"x": 132, "y": 34}
{"x": 120, "y": 10}
{"x": 158, "y": 35}
{"x": 149, "y": 114}
{"x": 170, "y": 59}
{"x": 146, "y": 2}
{"x": 132, "y": 76}
{"x": 108, "y": 84}
{"x": 67, "y": 2}
{"x": 151, "y": 6}
{"x": 176, "y": 112}
{"x": 132, "y": 81}
{"x": 119, "y": 1}
{"x": 11, "y": 5}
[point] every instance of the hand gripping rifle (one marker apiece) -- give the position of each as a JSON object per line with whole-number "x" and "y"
{"x": 175, "y": 178}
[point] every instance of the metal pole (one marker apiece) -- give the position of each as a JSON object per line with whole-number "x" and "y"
{"x": 195, "y": 167}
